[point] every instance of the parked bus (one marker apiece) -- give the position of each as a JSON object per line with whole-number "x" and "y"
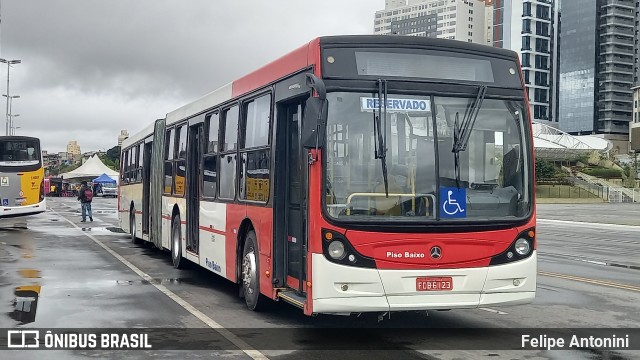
{"x": 355, "y": 174}
{"x": 21, "y": 177}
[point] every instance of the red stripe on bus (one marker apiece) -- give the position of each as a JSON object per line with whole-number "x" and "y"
{"x": 275, "y": 70}
{"x": 212, "y": 230}
{"x": 138, "y": 212}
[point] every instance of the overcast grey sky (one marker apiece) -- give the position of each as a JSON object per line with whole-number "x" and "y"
{"x": 92, "y": 67}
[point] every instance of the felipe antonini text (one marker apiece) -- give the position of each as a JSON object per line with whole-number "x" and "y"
{"x": 544, "y": 341}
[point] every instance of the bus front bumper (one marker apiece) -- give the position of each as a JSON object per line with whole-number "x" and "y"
{"x": 339, "y": 289}
{"x": 13, "y": 211}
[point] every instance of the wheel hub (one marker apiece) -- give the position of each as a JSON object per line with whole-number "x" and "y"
{"x": 248, "y": 271}
{"x": 176, "y": 243}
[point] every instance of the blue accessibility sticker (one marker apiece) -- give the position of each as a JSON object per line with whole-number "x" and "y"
{"x": 5, "y": 202}
{"x": 453, "y": 203}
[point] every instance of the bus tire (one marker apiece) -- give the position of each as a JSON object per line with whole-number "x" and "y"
{"x": 176, "y": 244}
{"x": 249, "y": 275}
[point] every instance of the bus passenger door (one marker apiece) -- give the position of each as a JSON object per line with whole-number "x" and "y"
{"x": 290, "y": 216}
{"x": 194, "y": 174}
{"x": 146, "y": 186}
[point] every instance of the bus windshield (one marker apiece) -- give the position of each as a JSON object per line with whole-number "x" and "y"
{"x": 485, "y": 178}
{"x": 19, "y": 152}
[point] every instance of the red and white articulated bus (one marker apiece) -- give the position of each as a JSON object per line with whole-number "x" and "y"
{"x": 354, "y": 174}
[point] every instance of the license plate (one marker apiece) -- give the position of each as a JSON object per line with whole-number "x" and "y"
{"x": 434, "y": 283}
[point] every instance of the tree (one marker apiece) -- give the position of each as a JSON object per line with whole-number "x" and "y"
{"x": 113, "y": 154}
{"x": 544, "y": 169}
{"x": 112, "y": 158}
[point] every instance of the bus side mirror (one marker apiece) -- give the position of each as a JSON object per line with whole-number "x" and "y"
{"x": 313, "y": 120}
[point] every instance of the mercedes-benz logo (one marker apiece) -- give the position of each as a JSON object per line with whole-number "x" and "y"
{"x": 436, "y": 252}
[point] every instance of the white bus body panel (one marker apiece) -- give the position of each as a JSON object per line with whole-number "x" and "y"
{"x": 213, "y": 242}
{"x": 373, "y": 290}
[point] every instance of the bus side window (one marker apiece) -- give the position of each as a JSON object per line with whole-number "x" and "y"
{"x": 255, "y": 152}
{"x": 228, "y": 154}
{"x": 140, "y": 161}
{"x": 179, "y": 176}
{"x": 168, "y": 163}
{"x": 210, "y": 163}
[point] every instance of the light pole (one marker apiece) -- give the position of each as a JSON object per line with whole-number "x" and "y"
{"x": 10, "y": 109}
{"x": 8, "y": 62}
{"x": 11, "y": 127}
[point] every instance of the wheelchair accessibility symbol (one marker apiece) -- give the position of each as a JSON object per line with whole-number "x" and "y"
{"x": 453, "y": 203}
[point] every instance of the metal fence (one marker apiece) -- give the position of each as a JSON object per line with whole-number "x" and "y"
{"x": 585, "y": 190}
{"x": 570, "y": 192}
{"x": 623, "y": 195}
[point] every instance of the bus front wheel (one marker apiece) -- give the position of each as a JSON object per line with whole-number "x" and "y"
{"x": 250, "y": 275}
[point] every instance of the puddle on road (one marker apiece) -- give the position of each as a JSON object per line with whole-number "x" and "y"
{"x": 95, "y": 230}
{"x": 146, "y": 282}
{"x": 29, "y": 273}
{"x": 25, "y": 304}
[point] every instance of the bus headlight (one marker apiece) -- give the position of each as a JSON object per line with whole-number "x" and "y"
{"x": 522, "y": 246}
{"x": 336, "y": 250}
{"x": 519, "y": 249}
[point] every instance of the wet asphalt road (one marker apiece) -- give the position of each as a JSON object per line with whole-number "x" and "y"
{"x": 589, "y": 276}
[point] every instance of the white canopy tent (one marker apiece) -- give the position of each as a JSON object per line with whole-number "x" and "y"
{"x": 91, "y": 168}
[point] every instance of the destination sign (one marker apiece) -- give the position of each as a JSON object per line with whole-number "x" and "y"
{"x": 396, "y": 104}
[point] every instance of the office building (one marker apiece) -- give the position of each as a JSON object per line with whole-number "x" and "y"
{"x": 462, "y": 20}
{"x": 530, "y": 27}
{"x": 73, "y": 148}
{"x": 123, "y": 135}
{"x": 598, "y": 68}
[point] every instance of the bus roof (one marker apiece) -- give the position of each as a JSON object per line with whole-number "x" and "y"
{"x": 303, "y": 57}
{"x": 17, "y": 137}
{"x": 397, "y": 40}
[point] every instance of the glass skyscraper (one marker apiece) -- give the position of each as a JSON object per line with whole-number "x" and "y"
{"x": 597, "y": 49}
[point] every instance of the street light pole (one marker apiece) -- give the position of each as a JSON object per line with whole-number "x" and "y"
{"x": 8, "y": 62}
{"x": 10, "y": 99}
{"x": 12, "y": 129}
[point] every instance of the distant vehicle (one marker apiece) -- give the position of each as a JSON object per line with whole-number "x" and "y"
{"x": 21, "y": 177}
{"x": 109, "y": 190}
{"x": 354, "y": 174}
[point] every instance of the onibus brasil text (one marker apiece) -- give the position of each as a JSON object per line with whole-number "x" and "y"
{"x": 33, "y": 339}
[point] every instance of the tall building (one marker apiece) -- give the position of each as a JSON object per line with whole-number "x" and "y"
{"x": 530, "y": 27}
{"x": 598, "y": 68}
{"x": 462, "y": 20}
{"x": 73, "y": 148}
{"x": 123, "y": 135}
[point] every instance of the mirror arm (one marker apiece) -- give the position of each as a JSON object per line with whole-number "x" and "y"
{"x": 318, "y": 85}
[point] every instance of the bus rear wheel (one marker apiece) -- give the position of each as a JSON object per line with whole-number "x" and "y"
{"x": 176, "y": 244}
{"x": 250, "y": 274}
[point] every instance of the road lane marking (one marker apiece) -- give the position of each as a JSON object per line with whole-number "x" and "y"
{"x": 241, "y": 344}
{"x": 591, "y": 281}
{"x": 594, "y": 261}
{"x": 589, "y": 224}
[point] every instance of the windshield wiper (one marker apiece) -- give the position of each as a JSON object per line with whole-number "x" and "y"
{"x": 464, "y": 129}
{"x": 380, "y": 132}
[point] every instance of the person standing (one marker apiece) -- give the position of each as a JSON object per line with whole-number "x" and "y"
{"x": 85, "y": 195}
